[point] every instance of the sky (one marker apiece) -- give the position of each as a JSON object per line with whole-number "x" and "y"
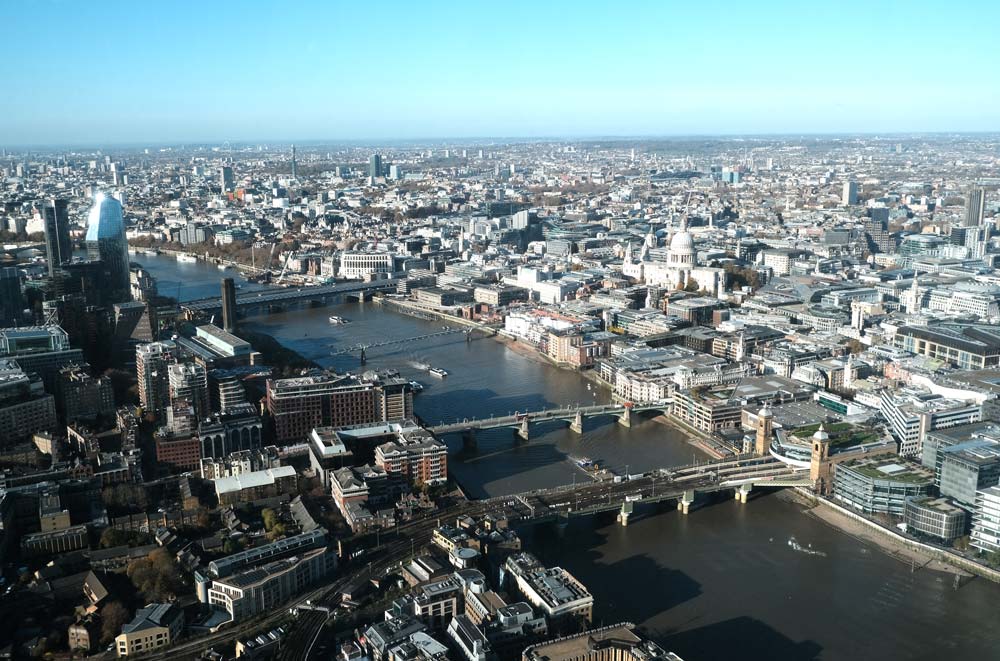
{"x": 111, "y": 72}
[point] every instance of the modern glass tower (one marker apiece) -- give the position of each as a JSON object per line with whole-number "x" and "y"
{"x": 106, "y": 242}
{"x": 57, "y": 244}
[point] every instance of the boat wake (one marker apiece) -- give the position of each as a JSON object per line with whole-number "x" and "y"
{"x": 808, "y": 550}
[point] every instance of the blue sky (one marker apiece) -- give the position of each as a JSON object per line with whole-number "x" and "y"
{"x": 108, "y": 72}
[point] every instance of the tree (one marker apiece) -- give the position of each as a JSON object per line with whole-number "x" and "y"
{"x": 992, "y": 558}
{"x": 156, "y": 576}
{"x": 742, "y": 277}
{"x": 854, "y": 346}
{"x": 113, "y": 537}
{"x": 114, "y": 615}
{"x": 203, "y": 520}
{"x": 269, "y": 517}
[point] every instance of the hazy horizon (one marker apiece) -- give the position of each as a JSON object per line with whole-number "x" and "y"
{"x": 118, "y": 73}
{"x": 469, "y": 141}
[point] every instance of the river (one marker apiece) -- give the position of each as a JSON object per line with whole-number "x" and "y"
{"x": 719, "y": 583}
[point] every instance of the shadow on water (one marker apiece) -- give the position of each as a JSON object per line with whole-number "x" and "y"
{"x": 448, "y": 406}
{"x": 754, "y": 639}
{"x": 643, "y": 587}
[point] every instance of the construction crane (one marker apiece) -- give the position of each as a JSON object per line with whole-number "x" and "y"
{"x": 270, "y": 256}
{"x": 291, "y": 253}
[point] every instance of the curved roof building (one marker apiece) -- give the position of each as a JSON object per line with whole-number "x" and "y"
{"x": 105, "y": 220}
{"x": 106, "y": 243}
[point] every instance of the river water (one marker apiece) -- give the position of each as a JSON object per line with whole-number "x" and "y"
{"x": 720, "y": 583}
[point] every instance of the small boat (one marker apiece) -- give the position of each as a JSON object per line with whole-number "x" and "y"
{"x": 186, "y": 258}
{"x": 416, "y": 386}
{"x": 151, "y": 253}
{"x": 438, "y": 372}
{"x": 337, "y": 321}
{"x": 223, "y": 267}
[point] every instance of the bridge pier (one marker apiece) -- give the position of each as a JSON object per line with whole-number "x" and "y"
{"x": 577, "y": 424}
{"x": 625, "y": 420}
{"x": 742, "y": 492}
{"x": 522, "y": 429}
{"x": 625, "y": 513}
{"x": 684, "y": 504}
{"x": 364, "y": 358}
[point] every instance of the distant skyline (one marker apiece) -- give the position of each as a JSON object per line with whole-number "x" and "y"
{"x": 117, "y": 72}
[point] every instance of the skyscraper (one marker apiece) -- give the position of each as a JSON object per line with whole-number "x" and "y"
{"x": 11, "y": 296}
{"x": 975, "y": 207}
{"x": 151, "y": 368}
{"x": 375, "y": 166}
{"x": 228, "y": 305}
{"x": 850, "y": 195}
{"x": 106, "y": 242}
{"x": 189, "y": 382}
{"x": 57, "y": 244}
{"x": 226, "y": 174}
{"x": 295, "y": 168}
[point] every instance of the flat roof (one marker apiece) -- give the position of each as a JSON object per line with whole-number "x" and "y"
{"x": 252, "y": 479}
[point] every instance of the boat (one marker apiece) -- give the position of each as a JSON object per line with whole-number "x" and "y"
{"x": 186, "y": 258}
{"x": 151, "y": 253}
{"x": 337, "y": 321}
{"x": 223, "y": 267}
{"x": 416, "y": 386}
{"x": 583, "y": 462}
{"x": 438, "y": 372}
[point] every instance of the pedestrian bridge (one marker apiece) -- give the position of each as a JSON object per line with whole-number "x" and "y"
{"x": 575, "y": 415}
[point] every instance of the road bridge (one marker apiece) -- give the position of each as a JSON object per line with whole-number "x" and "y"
{"x": 575, "y": 415}
{"x": 291, "y": 295}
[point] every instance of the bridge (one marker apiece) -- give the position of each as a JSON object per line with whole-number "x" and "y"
{"x": 558, "y": 504}
{"x": 292, "y": 295}
{"x": 575, "y": 415}
{"x": 363, "y": 348}
{"x": 740, "y": 474}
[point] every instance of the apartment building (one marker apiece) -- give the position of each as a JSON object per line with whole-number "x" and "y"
{"x": 153, "y": 627}
{"x": 299, "y": 405}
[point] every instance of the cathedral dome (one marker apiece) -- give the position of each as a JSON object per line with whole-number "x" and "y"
{"x": 682, "y": 243}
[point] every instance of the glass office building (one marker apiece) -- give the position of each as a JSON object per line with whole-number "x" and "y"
{"x": 106, "y": 242}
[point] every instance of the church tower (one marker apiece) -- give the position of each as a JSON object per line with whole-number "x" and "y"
{"x": 820, "y": 465}
{"x": 765, "y": 428}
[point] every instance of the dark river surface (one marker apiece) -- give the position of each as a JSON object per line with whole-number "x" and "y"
{"x": 719, "y": 583}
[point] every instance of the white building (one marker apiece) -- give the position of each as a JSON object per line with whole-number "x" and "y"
{"x": 356, "y": 265}
{"x": 264, "y": 589}
{"x": 679, "y": 271}
{"x": 912, "y": 413}
{"x": 986, "y": 520}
